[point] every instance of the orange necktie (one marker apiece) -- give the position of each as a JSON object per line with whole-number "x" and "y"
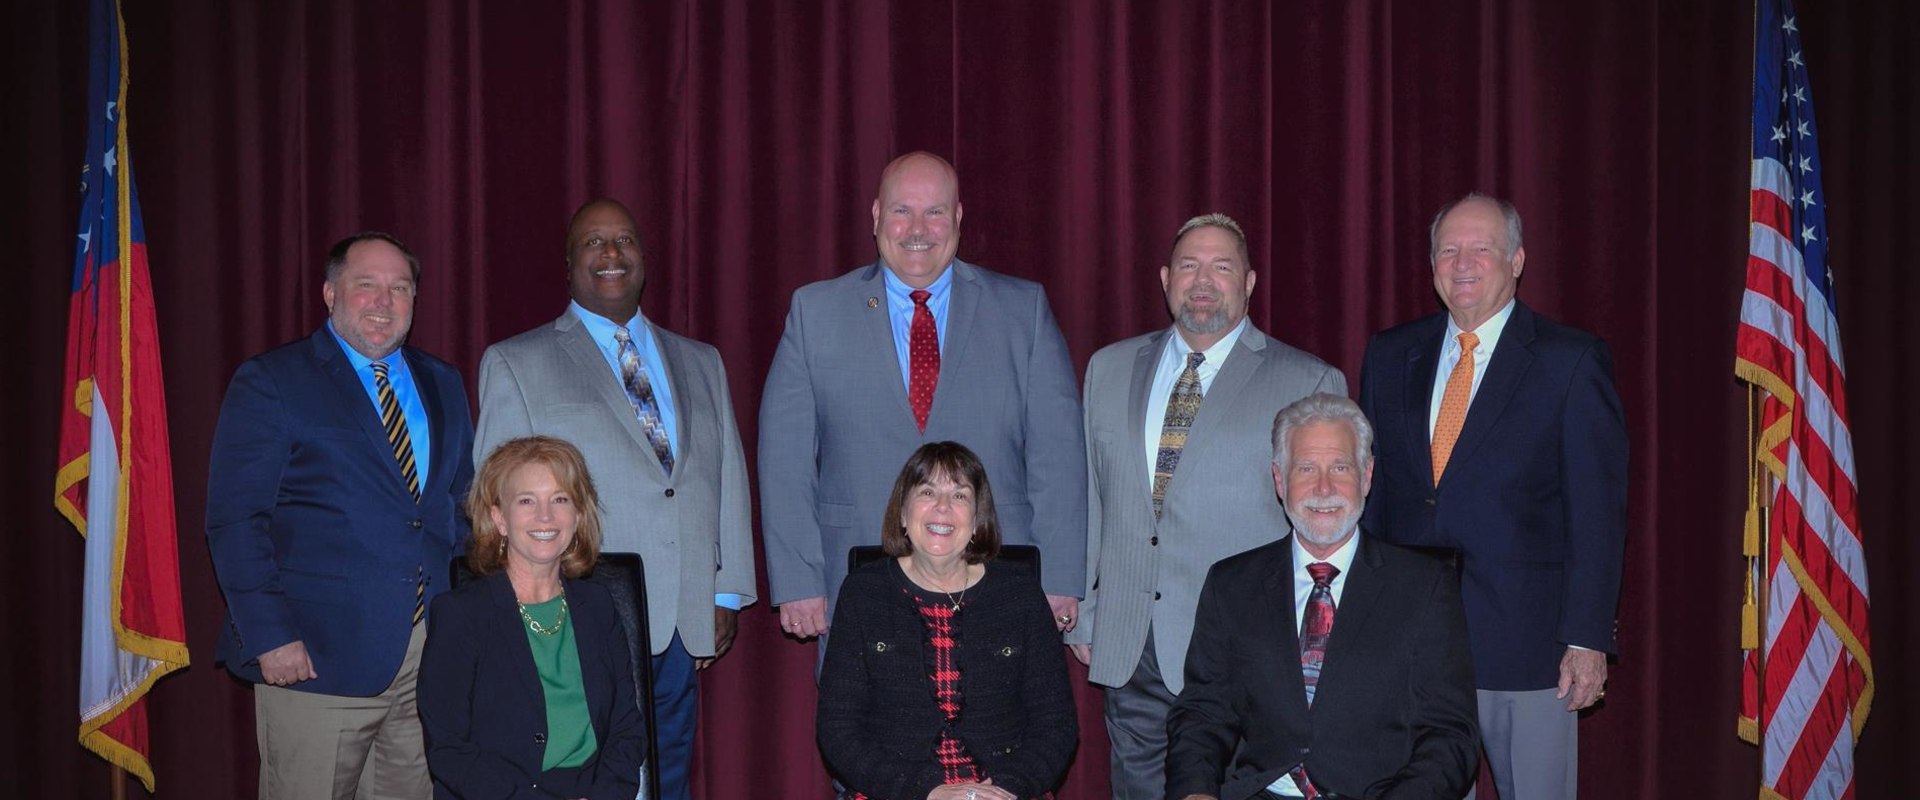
{"x": 1453, "y": 406}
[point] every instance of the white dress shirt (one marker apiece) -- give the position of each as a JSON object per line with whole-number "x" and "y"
{"x": 1173, "y": 361}
{"x": 1342, "y": 560}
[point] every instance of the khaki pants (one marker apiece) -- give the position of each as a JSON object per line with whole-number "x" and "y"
{"x": 320, "y": 747}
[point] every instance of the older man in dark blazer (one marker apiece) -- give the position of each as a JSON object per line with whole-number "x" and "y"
{"x": 1502, "y": 442}
{"x": 1327, "y": 664}
{"x": 337, "y": 468}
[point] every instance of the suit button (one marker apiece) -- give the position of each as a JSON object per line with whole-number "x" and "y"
{"x": 1430, "y": 501}
{"x": 1155, "y": 541}
{"x": 1156, "y": 595}
{"x": 417, "y": 523}
{"x": 668, "y": 492}
{"x": 539, "y": 738}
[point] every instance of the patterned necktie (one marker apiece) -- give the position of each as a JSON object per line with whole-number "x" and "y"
{"x": 640, "y": 394}
{"x": 923, "y": 358}
{"x": 1316, "y": 626}
{"x": 396, "y": 425}
{"x": 1183, "y": 404}
{"x": 1453, "y": 406}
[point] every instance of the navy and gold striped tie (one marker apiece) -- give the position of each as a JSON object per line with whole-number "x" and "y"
{"x": 396, "y": 425}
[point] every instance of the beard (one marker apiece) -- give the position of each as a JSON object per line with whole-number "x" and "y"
{"x": 1326, "y": 532}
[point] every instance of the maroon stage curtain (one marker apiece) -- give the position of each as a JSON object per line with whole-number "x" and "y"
{"x": 748, "y": 136}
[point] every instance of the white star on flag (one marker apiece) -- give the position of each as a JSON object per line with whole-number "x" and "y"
{"x": 1804, "y": 130}
{"x": 1779, "y": 133}
{"x": 1806, "y": 199}
{"x": 1795, "y": 59}
{"x": 111, "y": 162}
{"x": 1806, "y": 233}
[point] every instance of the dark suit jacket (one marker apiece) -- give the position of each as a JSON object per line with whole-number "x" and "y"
{"x": 1394, "y": 712}
{"x": 1534, "y": 499}
{"x": 485, "y": 714}
{"x": 877, "y": 717}
{"x": 313, "y": 534}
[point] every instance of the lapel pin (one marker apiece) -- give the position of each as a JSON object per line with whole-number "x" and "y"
{"x": 873, "y": 302}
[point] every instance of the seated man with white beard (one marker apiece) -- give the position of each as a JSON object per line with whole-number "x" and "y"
{"x": 1327, "y": 664}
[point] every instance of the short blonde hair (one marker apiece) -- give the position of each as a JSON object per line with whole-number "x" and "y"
{"x": 487, "y": 547}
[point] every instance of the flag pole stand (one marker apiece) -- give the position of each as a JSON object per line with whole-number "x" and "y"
{"x": 117, "y": 779}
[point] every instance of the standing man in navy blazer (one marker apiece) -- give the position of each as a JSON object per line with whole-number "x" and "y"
{"x": 1531, "y": 495}
{"x": 663, "y": 447}
{"x": 915, "y": 348}
{"x": 337, "y": 468}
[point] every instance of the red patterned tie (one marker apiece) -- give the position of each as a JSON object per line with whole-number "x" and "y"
{"x": 923, "y": 357}
{"x": 1315, "y": 627}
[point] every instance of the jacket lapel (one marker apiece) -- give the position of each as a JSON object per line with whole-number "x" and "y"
{"x": 1509, "y": 364}
{"x": 877, "y": 343}
{"x": 587, "y": 360}
{"x": 1145, "y": 361}
{"x": 1358, "y": 597}
{"x": 440, "y": 470}
{"x": 680, "y": 391}
{"x": 961, "y": 308}
{"x": 1276, "y": 606}
{"x": 1423, "y": 361}
{"x": 509, "y": 634}
{"x": 353, "y": 394}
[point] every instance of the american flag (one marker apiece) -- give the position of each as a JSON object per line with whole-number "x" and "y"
{"x": 1807, "y": 677}
{"x": 115, "y": 476}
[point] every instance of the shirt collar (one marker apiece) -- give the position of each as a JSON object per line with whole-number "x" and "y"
{"x": 1489, "y": 331}
{"x": 359, "y": 360}
{"x": 1217, "y": 354}
{"x": 1341, "y": 559}
{"x": 898, "y": 290}
{"x": 601, "y": 328}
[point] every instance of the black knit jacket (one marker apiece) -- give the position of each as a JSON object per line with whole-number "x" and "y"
{"x": 877, "y": 719}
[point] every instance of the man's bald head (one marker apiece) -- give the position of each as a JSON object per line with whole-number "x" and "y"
{"x": 916, "y": 217}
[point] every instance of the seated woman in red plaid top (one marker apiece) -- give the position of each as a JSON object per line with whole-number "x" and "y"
{"x": 944, "y": 677}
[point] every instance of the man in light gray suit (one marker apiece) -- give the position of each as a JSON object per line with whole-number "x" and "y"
{"x": 651, "y": 412}
{"x": 918, "y": 347}
{"x": 1177, "y": 452}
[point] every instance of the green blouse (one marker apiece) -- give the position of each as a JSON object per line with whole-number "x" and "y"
{"x": 570, "y": 739}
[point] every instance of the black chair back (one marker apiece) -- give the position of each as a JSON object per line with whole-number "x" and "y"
{"x": 1016, "y": 553}
{"x": 625, "y": 577}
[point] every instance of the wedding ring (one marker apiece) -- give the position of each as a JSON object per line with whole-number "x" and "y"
{"x": 1065, "y": 619}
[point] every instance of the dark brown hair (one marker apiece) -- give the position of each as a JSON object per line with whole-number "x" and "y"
{"x": 487, "y": 548}
{"x": 953, "y": 460}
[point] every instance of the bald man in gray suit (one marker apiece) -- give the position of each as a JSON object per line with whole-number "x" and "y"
{"x": 917, "y": 347}
{"x": 1177, "y": 426}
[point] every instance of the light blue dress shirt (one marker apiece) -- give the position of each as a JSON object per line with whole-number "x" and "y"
{"x": 601, "y": 329}
{"x": 900, "y": 313}
{"x": 401, "y": 377}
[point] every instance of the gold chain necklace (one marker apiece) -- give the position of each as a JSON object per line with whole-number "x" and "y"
{"x": 953, "y": 602}
{"x": 543, "y": 630}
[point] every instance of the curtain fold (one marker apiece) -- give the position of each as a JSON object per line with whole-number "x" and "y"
{"x": 747, "y": 138}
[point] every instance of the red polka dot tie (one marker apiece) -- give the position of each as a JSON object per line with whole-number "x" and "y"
{"x": 923, "y": 357}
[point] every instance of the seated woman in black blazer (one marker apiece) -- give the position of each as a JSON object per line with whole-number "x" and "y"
{"x": 944, "y": 677}
{"x": 526, "y": 685}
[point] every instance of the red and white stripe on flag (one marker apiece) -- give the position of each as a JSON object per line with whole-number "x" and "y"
{"x": 115, "y": 477}
{"x": 1809, "y": 685}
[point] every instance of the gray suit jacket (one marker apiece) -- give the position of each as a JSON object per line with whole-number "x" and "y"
{"x": 694, "y": 530}
{"x": 835, "y": 426}
{"x": 1220, "y": 501}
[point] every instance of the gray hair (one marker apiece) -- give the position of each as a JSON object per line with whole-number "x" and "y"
{"x": 1507, "y": 211}
{"x": 1215, "y": 219}
{"x": 1322, "y": 407}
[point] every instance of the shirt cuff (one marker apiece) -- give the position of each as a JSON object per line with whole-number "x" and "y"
{"x": 729, "y": 600}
